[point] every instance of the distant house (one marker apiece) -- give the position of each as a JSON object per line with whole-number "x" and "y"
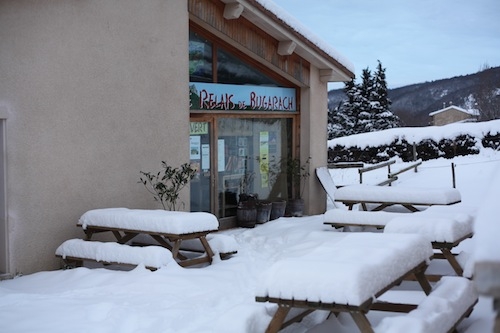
{"x": 452, "y": 114}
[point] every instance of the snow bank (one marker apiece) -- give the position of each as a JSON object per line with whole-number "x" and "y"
{"x": 162, "y": 221}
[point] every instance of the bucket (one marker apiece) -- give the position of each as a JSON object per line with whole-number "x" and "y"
{"x": 246, "y": 214}
{"x": 278, "y": 209}
{"x": 263, "y": 211}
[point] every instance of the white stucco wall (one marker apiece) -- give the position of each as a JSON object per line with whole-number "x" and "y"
{"x": 92, "y": 92}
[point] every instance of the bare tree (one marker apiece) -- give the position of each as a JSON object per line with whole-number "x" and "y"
{"x": 488, "y": 94}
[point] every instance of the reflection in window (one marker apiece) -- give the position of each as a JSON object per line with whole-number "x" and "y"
{"x": 232, "y": 70}
{"x": 200, "y": 59}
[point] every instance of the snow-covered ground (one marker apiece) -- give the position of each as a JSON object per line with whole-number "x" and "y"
{"x": 221, "y": 297}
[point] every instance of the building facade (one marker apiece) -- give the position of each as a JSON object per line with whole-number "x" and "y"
{"x": 93, "y": 92}
{"x": 452, "y": 114}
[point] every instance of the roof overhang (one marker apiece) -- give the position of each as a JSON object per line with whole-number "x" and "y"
{"x": 331, "y": 68}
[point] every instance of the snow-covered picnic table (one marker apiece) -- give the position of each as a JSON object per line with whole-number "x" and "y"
{"x": 167, "y": 228}
{"x": 344, "y": 274}
{"x": 347, "y": 273}
{"x": 385, "y": 196}
{"x": 445, "y": 227}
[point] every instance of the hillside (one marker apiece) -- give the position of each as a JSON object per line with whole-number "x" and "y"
{"x": 413, "y": 103}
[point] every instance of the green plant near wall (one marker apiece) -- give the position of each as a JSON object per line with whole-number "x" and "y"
{"x": 166, "y": 185}
{"x": 297, "y": 173}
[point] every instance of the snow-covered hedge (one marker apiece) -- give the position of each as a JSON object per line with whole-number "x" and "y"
{"x": 427, "y": 142}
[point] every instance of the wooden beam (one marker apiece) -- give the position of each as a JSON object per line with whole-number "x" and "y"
{"x": 233, "y": 10}
{"x": 286, "y": 47}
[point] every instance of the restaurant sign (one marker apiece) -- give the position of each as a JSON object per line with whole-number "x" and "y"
{"x": 230, "y": 97}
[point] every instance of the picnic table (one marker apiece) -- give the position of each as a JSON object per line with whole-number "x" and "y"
{"x": 349, "y": 273}
{"x": 384, "y": 196}
{"x": 345, "y": 274}
{"x": 445, "y": 229}
{"x": 169, "y": 229}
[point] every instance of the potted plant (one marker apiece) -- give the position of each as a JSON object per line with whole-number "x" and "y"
{"x": 246, "y": 212}
{"x": 275, "y": 174}
{"x": 166, "y": 185}
{"x": 297, "y": 174}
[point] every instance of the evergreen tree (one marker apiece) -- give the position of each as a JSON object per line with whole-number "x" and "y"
{"x": 366, "y": 109}
{"x": 383, "y": 118}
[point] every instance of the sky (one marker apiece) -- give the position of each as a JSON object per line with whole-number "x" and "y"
{"x": 416, "y": 41}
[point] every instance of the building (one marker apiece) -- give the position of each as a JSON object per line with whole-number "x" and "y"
{"x": 93, "y": 92}
{"x": 452, "y": 114}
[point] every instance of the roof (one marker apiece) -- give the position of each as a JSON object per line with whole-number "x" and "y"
{"x": 471, "y": 112}
{"x": 276, "y": 21}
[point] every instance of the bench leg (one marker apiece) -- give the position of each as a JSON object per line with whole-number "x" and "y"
{"x": 278, "y": 319}
{"x": 453, "y": 261}
{"x": 362, "y": 322}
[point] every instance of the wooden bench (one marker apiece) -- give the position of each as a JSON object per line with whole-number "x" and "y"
{"x": 167, "y": 228}
{"x": 444, "y": 230}
{"x": 345, "y": 274}
{"x": 75, "y": 251}
{"x": 451, "y": 300}
{"x": 384, "y": 196}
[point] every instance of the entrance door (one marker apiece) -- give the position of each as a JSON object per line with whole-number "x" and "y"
{"x": 249, "y": 154}
{"x": 237, "y": 157}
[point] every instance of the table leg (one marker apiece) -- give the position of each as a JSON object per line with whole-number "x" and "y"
{"x": 362, "y": 322}
{"x": 278, "y": 318}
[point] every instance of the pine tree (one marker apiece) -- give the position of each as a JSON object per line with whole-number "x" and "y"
{"x": 383, "y": 118}
{"x": 366, "y": 109}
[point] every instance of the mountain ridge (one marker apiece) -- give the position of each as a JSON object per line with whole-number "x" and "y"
{"x": 414, "y": 102}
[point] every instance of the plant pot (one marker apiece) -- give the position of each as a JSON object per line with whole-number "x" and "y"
{"x": 295, "y": 207}
{"x": 263, "y": 211}
{"x": 278, "y": 209}
{"x": 246, "y": 214}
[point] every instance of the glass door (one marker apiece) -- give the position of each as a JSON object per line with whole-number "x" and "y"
{"x": 237, "y": 158}
{"x": 200, "y": 158}
{"x": 249, "y": 154}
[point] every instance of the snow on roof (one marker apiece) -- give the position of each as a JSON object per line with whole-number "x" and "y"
{"x": 472, "y": 112}
{"x": 298, "y": 27}
{"x": 150, "y": 220}
{"x": 417, "y": 134}
{"x": 353, "y": 266}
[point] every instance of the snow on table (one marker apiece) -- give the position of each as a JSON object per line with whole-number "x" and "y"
{"x": 434, "y": 228}
{"x": 451, "y": 298}
{"x": 349, "y": 269}
{"x": 412, "y": 195}
{"x": 161, "y": 221}
{"x": 149, "y": 256}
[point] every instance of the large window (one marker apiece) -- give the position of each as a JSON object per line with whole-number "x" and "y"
{"x": 229, "y": 68}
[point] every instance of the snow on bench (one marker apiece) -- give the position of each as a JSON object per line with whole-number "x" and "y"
{"x": 152, "y": 257}
{"x": 385, "y": 196}
{"x": 451, "y": 300}
{"x": 223, "y": 244}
